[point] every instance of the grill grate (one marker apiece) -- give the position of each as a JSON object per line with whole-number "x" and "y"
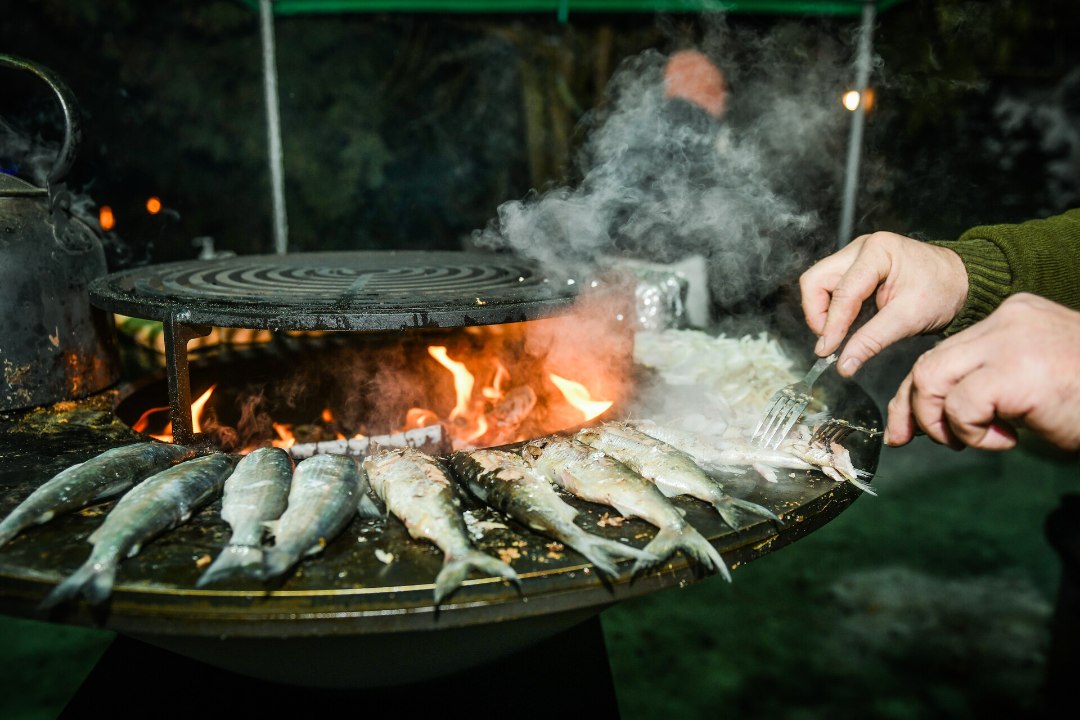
{"x": 339, "y": 291}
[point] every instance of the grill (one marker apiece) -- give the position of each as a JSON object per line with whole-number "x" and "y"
{"x": 374, "y": 618}
{"x": 378, "y": 290}
{"x": 352, "y": 291}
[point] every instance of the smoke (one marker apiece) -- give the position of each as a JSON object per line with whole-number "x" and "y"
{"x": 661, "y": 180}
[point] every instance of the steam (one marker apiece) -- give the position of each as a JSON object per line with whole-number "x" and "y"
{"x": 661, "y": 180}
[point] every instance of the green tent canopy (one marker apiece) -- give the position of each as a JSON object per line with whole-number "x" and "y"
{"x": 564, "y": 7}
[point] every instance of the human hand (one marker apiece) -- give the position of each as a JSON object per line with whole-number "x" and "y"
{"x": 919, "y": 288}
{"x": 1019, "y": 365}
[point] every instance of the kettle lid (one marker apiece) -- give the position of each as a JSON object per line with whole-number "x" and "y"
{"x": 11, "y": 186}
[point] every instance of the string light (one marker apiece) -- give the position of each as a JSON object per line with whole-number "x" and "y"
{"x": 153, "y": 205}
{"x": 106, "y": 219}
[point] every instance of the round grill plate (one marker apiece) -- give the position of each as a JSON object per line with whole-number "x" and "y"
{"x": 362, "y": 290}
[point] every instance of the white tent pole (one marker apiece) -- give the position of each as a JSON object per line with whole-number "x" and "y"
{"x": 273, "y": 127}
{"x": 862, "y": 80}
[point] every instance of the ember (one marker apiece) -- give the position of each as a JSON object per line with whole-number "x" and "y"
{"x": 447, "y": 390}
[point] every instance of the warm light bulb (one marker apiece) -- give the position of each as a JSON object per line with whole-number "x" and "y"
{"x": 852, "y": 98}
{"x": 153, "y": 206}
{"x": 106, "y": 219}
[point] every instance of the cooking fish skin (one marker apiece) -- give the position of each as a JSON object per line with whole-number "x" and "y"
{"x": 101, "y": 477}
{"x": 256, "y": 493}
{"x": 322, "y": 500}
{"x": 416, "y": 488}
{"x": 505, "y": 481}
{"x": 159, "y": 503}
{"x": 593, "y": 475}
{"x": 730, "y": 457}
{"x": 674, "y": 472}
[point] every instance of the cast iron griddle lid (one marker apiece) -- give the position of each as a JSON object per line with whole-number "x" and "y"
{"x": 360, "y": 290}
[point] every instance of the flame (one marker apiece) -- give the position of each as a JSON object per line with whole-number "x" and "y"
{"x": 420, "y": 417}
{"x": 143, "y": 422}
{"x": 197, "y": 408}
{"x": 285, "y": 437}
{"x": 495, "y": 391}
{"x": 463, "y": 380}
{"x": 578, "y": 395}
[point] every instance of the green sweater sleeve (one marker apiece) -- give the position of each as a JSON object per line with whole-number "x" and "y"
{"x": 1038, "y": 256}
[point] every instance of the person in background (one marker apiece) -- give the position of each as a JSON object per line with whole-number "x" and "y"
{"x": 691, "y": 76}
{"x": 1007, "y": 299}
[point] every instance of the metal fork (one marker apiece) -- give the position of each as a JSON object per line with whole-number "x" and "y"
{"x": 837, "y": 430}
{"x": 786, "y": 406}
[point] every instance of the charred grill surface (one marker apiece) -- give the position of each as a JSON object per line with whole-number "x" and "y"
{"x": 374, "y": 290}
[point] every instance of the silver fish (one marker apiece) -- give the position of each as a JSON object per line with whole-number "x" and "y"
{"x": 157, "y": 504}
{"x": 674, "y": 472}
{"x": 415, "y": 488}
{"x": 322, "y": 500}
{"x": 506, "y": 482}
{"x": 834, "y": 460}
{"x": 728, "y": 456}
{"x": 99, "y": 478}
{"x": 256, "y": 493}
{"x": 593, "y": 475}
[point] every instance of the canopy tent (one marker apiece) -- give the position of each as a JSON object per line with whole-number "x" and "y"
{"x": 564, "y": 7}
{"x": 866, "y": 9}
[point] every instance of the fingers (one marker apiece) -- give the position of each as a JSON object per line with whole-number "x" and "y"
{"x": 953, "y": 397}
{"x": 819, "y": 283}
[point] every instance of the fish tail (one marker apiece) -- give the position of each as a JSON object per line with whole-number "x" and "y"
{"x": 691, "y": 542}
{"x": 276, "y": 561}
{"x": 862, "y": 486}
{"x": 730, "y": 509}
{"x": 455, "y": 569}
{"x": 9, "y": 529}
{"x": 243, "y": 559}
{"x": 604, "y": 553}
{"x": 93, "y": 580}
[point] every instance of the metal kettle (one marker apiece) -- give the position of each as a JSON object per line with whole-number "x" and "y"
{"x": 53, "y": 344}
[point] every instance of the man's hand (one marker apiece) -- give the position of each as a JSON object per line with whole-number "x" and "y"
{"x": 919, "y": 288}
{"x": 1020, "y": 365}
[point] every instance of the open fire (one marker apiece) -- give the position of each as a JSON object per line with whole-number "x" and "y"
{"x": 465, "y": 388}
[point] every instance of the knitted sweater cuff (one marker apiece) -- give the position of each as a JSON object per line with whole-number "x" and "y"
{"x": 989, "y": 279}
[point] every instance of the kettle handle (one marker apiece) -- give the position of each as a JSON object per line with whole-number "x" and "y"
{"x": 72, "y": 130}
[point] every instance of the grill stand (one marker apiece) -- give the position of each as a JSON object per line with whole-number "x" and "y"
{"x": 177, "y": 337}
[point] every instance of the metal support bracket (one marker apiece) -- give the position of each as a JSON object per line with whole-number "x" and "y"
{"x": 177, "y": 336}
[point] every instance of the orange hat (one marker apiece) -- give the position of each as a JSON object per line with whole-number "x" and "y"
{"x": 690, "y": 75}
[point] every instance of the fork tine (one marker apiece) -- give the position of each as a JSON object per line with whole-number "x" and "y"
{"x": 769, "y": 415}
{"x": 789, "y": 422}
{"x": 773, "y": 419}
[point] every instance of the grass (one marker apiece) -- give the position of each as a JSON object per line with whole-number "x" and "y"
{"x": 931, "y": 600}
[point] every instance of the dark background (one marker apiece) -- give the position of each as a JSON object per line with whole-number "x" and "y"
{"x": 409, "y": 130}
{"x": 402, "y": 130}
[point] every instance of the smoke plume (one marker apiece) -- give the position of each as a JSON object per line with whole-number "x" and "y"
{"x": 661, "y": 180}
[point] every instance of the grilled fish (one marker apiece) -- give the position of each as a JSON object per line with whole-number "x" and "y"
{"x": 415, "y": 488}
{"x": 506, "y": 482}
{"x": 729, "y": 457}
{"x": 155, "y": 505}
{"x": 593, "y": 475}
{"x": 255, "y": 494}
{"x": 322, "y": 500}
{"x": 674, "y": 472}
{"x": 99, "y": 478}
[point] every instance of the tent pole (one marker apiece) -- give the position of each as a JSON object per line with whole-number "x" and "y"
{"x": 273, "y": 128}
{"x": 855, "y": 138}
